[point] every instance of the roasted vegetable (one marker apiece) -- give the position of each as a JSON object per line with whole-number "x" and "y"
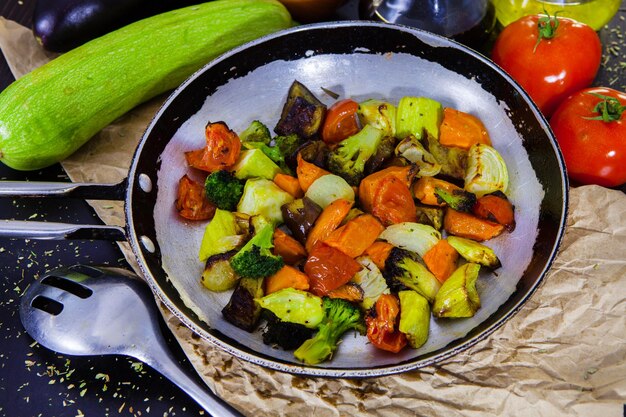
{"x": 349, "y": 157}
{"x": 339, "y": 317}
{"x": 279, "y": 151}
{"x": 453, "y": 160}
{"x": 371, "y": 281}
{"x": 256, "y": 132}
{"x": 220, "y": 152}
{"x": 330, "y": 219}
{"x": 341, "y": 121}
{"x": 328, "y": 269}
{"x": 412, "y": 150}
{"x": 404, "y": 270}
{"x": 286, "y": 277}
{"x": 458, "y": 199}
{"x": 242, "y": 310}
{"x": 308, "y": 172}
{"x": 255, "y": 259}
{"x": 458, "y": 296}
{"x": 222, "y": 234}
{"x": 414, "y": 317}
{"x": 302, "y": 113}
{"x": 294, "y": 306}
{"x": 384, "y": 153}
{"x": 382, "y": 324}
{"x": 418, "y": 116}
{"x": 350, "y": 292}
{"x": 386, "y": 195}
{"x": 254, "y": 163}
{"x": 415, "y": 237}
{"x": 299, "y": 216}
{"x": 191, "y": 202}
{"x": 462, "y": 130}
{"x": 429, "y": 215}
{"x": 496, "y": 207}
{"x": 61, "y": 25}
{"x": 288, "y": 248}
{"x": 475, "y": 252}
{"x": 284, "y": 334}
{"x": 356, "y": 235}
{"x": 486, "y": 171}
{"x": 425, "y": 188}
{"x": 218, "y": 275}
{"x": 469, "y": 226}
{"x": 223, "y": 189}
{"x": 379, "y": 114}
{"x": 264, "y": 197}
{"x": 441, "y": 260}
{"x": 329, "y": 188}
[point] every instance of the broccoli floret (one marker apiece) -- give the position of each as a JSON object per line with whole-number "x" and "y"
{"x": 459, "y": 200}
{"x": 255, "y": 259}
{"x": 256, "y": 132}
{"x": 285, "y": 334}
{"x": 282, "y": 149}
{"x": 340, "y": 316}
{"x": 349, "y": 158}
{"x": 223, "y": 190}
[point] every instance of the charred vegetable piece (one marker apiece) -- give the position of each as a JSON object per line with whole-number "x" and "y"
{"x": 496, "y": 207}
{"x": 371, "y": 281}
{"x": 486, "y": 171}
{"x": 191, "y": 202}
{"x": 379, "y": 114}
{"x": 256, "y": 132}
{"x": 469, "y": 226}
{"x": 429, "y": 215}
{"x": 314, "y": 152}
{"x": 339, "y": 317}
{"x": 453, "y": 160}
{"x": 294, "y": 306}
{"x": 221, "y": 235}
{"x": 221, "y": 150}
{"x": 458, "y": 199}
{"x": 382, "y": 324}
{"x": 418, "y": 116}
{"x": 414, "y": 317}
{"x": 458, "y": 296}
{"x": 255, "y": 259}
{"x": 350, "y": 292}
{"x": 218, "y": 275}
{"x": 299, "y": 216}
{"x": 302, "y": 113}
{"x": 223, "y": 189}
{"x": 283, "y": 334}
{"x": 412, "y": 150}
{"x": 349, "y": 157}
{"x": 425, "y": 188}
{"x": 475, "y": 252}
{"x": 383, "y": 154}
{"x": 403, "y": 270}
{"x": 242, "y": 311}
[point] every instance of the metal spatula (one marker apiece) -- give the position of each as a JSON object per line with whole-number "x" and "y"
{"x": 91, "y": 311}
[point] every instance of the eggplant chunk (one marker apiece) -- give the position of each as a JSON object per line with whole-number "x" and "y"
{"x": 241, "y": 310}
{"x": 299, "y": 216}
{"x": 302, "y": 113}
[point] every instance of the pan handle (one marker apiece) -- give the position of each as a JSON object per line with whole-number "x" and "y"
{"x": 23, "y": 229}
{"x": 87, "y": 191}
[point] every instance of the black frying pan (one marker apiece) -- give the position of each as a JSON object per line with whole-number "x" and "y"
{"x": 353, "y": 59}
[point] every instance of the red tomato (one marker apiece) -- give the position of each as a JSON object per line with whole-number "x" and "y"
{"x": 341, "y": 121}
{"x": 381, "y": 327}
{"x": 221, "y": 150}
{"x": 191, "y": 202}
{"x": 549, "y": 60}
{"x": 594, "y": 149}
{"x": 328, "y": 269}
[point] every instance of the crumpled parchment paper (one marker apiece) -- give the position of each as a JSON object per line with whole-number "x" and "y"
{"x": 562, "y": 354}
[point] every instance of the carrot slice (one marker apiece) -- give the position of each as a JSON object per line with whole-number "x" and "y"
{"x": 424, "y": 190}
{"x": 307, "y": 173}
{"x": 462, "y": 130}
{"x": 330, "y": 219}
{"x": 441, "y": 260}
{"x": 290, "y": 184}
{"x": 286, "y": 277}
{"x": 371, "y": 184}
{"x": 288, "y": 248}
{"x": 393, "y": 202}
{"x": 379, "y": 252}
{"x": 496, "y": 208}
{"x": 469, "y": 226}
{"x": 328, "y": 269}
{"x": 356, "y": 235}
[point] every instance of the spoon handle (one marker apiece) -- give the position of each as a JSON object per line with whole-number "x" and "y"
{"x": 161, "y": 359}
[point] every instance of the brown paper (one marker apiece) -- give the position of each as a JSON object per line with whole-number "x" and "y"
{"x": 562, "y": 354}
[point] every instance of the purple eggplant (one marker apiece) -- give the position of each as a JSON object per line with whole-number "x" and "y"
{"x": 61, "y": 25}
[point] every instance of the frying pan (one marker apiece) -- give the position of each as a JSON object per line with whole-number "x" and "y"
{"x": 351, "y": 59}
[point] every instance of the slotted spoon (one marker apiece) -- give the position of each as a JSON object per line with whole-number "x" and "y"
{"x": 85, "y": 311}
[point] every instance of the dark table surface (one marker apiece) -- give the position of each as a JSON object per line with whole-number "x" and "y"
{"x": 37, "y": 382}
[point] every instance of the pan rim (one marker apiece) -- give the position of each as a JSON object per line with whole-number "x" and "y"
{"x": 277, "y": 364}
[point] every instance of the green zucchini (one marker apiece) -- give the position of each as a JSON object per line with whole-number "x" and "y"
{"x": 49, "y": 113}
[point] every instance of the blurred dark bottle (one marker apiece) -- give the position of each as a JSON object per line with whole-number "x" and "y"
{"x": 471, "y": 22}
